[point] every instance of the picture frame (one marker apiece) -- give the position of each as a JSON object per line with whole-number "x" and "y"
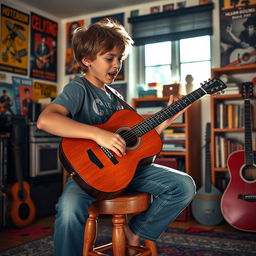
{"x": 168, "y": 7}
{"x": 155, "y": 9}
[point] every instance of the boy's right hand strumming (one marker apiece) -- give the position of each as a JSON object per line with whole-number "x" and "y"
{"x": 111, "y": 141}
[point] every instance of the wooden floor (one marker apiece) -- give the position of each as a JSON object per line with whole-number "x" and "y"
{"x": 10, "y": 242}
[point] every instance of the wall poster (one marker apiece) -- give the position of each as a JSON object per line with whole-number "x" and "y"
{"x": 7, "y": 99}
{"x": 71, "y": 66}
{"x": 237, "y": 32}
{"x": 43, "y": 48}
{"x": 120, "y": 18}
{"x": 23, "y": 92}
{"x": 14, "y": 41}
{"x": 44, "y": 90}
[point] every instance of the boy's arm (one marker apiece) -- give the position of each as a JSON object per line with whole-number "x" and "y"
{"x": 54, "y": 120}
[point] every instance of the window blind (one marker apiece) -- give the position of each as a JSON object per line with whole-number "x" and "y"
{"x": 172, "y": 25}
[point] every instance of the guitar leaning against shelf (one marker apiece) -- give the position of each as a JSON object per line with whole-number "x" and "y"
{"x": 22, "y": 210}
{"x": 238, "y": 203}
{"x": 98, "y": 170}
{"x": 206, "y": 204}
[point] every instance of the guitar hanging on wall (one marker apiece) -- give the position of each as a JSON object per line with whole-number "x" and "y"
{"x": 206, "y": 204}
{"x": 99, "y": 171}
{"x": 238, "y": 203}
{"x": 22, "y": 210}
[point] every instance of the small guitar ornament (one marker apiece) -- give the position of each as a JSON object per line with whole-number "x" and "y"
{"x": 22, "y": 210}
{"x": 238, "y": 203}
{"x": 103, "y": 174}
{"x": 206, "y": 204}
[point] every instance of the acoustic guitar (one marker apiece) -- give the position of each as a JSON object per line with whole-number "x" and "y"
{"x": 98, "y": 170}
{"x": 238, "y": 203}
{"x": 22, "y": 210}
{"x": 206, "y": 204}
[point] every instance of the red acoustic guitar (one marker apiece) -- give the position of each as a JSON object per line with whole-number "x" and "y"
{"x": 238, "y": 203}
{"x": 103, "y": 174}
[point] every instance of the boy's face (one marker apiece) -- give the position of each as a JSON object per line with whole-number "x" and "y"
{"x": 104, "y": 69}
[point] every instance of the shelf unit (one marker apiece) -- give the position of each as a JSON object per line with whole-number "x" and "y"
{"x": 191, "y": 125}
{"x": 227, "y": 133}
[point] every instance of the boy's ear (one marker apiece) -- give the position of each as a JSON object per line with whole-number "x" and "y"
{"x": 86, "y": 61}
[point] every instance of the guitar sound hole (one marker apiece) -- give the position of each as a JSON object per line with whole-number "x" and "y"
{"x": 129, "y": 137}
{"x": 249, "y": 173}
{"x": 24, "y": 211}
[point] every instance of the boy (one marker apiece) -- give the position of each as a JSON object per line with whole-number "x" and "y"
{"x": 100, "y": 50}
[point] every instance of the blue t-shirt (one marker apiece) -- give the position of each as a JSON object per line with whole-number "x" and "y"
{"x": 87, "y": 103}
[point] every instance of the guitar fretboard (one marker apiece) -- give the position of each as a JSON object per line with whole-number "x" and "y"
{"x": 167, "y": 112}
{"x": 249, "y": 155}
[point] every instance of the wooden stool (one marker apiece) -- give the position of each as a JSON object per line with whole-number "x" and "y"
{"x": 118, "y": 207}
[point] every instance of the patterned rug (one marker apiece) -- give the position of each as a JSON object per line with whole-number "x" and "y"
{"x": 174, "y": 242}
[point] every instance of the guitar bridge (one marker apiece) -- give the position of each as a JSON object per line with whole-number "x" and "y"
{"x": 109, "y": 155}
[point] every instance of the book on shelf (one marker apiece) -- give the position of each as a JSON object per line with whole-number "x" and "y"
{"x": 229, "y": 115}
{"x": 232, "y": 88}
{"x": 173, "y": 147}
{"x": 223, "y": 148}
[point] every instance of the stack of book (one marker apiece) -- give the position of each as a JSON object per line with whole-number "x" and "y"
{"x": 173, "y": 141}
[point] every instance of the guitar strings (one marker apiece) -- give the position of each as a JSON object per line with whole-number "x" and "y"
{"x": 129, "y": 135}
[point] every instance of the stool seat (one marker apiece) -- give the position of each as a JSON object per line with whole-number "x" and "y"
{"x": 130, "y": 203}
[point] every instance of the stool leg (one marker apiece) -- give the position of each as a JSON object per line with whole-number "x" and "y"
{"x": 90, "y": 233}
{"x": 152, "y": 246}
{"x": 118, "y": 236}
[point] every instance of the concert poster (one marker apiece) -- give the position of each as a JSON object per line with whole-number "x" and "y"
{"x": 120, "y": 18}
{"x": 43, "y": 48}
{"x": 237, "y": 32}
{"x": 26, "y": 99}
{"x": 18, "y": 82}
{"x": 44, "y": 90}
{"x": 71, "y": 66}
{"x": 14, "y": 41}
{"x": 7, "y": 106}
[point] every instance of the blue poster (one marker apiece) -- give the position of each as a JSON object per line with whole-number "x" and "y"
{"x": 7, "y": 106}
{"x": 17, "y": 83}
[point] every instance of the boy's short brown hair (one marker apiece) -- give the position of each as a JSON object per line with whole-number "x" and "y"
{"x": 100, "y": 37}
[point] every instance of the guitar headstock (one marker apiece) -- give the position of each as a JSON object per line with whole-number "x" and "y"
{"x": 213, "y": 85}
{"x": 247, "y": 90}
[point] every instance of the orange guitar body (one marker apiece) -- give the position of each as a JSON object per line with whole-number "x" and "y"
{"x": 22, "y": 210}
{"x": 94, "y": 170}
{"x": 237, "y": 210}
{"x": 105, "y": 175}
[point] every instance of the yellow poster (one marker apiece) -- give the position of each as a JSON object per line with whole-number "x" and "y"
{"x": 44, "y": 90}
{"x": 14, "y": 41}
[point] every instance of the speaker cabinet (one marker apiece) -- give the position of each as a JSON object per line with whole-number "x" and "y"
{"x": 45, "y": 192}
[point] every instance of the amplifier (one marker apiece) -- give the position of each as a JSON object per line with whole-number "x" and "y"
{"x": 45, "y": 191}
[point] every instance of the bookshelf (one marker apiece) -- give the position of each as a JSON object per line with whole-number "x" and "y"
{"x": 184, "y": 134}
{"x": 227, "y": 121}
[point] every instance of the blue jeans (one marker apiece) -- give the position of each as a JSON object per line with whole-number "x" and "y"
{"x": 172, "y": 190}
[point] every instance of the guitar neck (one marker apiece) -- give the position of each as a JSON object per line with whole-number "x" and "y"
{"x": 167, "y": 112}
{"x": 249, "y": 155}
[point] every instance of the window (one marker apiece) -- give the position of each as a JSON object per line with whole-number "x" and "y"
{"x": 169, "y": 62}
